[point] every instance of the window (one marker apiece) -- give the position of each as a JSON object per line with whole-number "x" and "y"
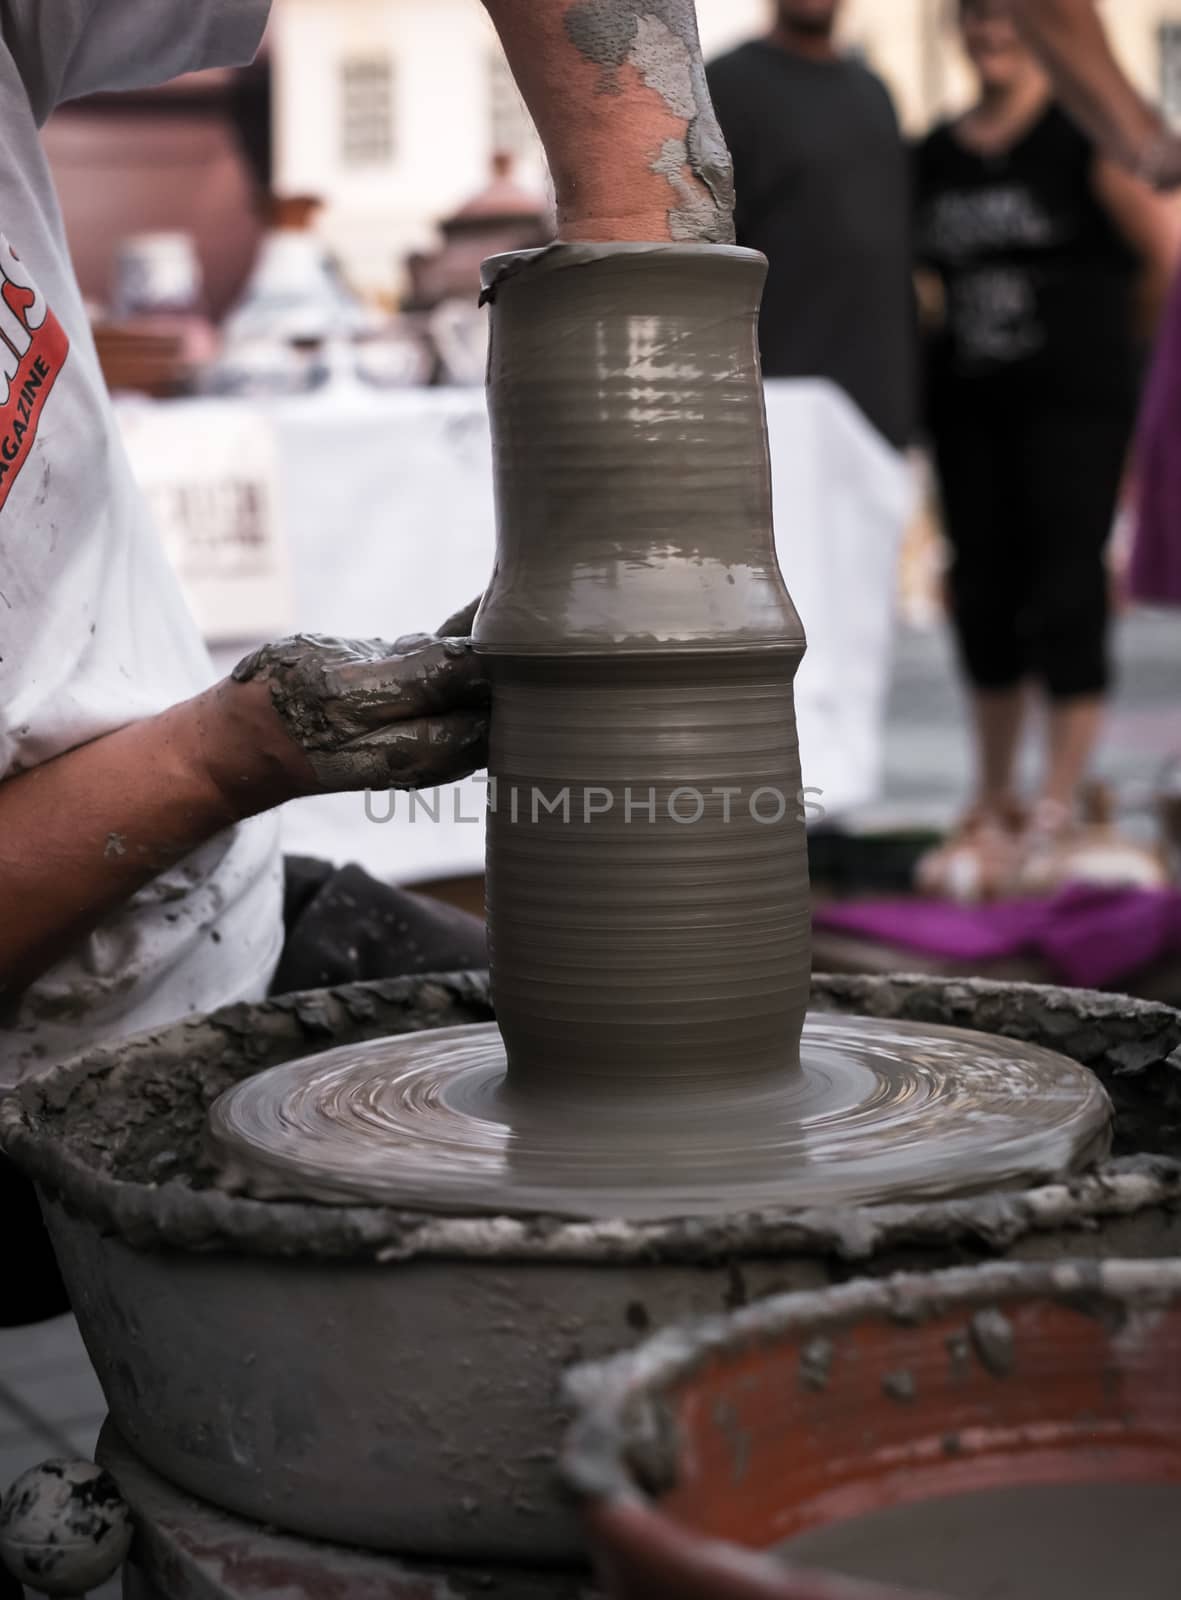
{"x": 367, "y": 111}
{"x": 512, "y": 128}
{"x": 1170, "y": 68}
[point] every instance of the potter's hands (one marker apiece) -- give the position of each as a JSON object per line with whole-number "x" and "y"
{"x": 345, "y": 714}
{"x": 457, "y": 626}
{"x": 300, "y": 717}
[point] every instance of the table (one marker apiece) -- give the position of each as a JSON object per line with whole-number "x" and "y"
{"x": 356, "y": 512}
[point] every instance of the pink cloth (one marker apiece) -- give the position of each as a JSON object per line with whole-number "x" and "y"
{"x": 1091, "y": 938}
{"x": 1155, "y": 576}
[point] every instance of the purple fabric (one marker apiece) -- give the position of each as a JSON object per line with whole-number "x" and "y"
{"x": 1090, "y": 937}
{"x": 1155, "y": 576}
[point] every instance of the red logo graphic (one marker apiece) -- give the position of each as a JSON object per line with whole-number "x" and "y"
{"x": 33, "y": 350}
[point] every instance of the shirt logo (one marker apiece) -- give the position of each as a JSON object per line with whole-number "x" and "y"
{"x": 33, "y": 350}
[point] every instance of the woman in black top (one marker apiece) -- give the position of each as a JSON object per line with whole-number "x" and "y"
{"x": 1039, "y": 246}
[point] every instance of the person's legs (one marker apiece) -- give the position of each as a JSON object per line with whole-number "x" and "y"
{"x": 345, "y": 927}
{"x": 986, "y": 585}
{"x": 1073, "y": 470}
{"x": 32, "y": 1290}
{"x": 985, "y": 590}
{"x": 999, "y": 717}
{"x": 1073, "y": 735}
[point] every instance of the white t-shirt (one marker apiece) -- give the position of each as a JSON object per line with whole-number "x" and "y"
{"x": 94, "y": 633}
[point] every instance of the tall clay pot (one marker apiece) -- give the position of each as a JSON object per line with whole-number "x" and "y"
{"x": 647, "y": 864}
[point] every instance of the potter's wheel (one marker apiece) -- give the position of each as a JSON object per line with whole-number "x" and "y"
{"x": 879, "y": 1111}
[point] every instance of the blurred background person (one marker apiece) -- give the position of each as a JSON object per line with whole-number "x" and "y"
{"x": 1091, "y": 83}
{"x": 823, "y": 191}
{"x": 1089, "y": 78}
{"x": 1040, "y": 245}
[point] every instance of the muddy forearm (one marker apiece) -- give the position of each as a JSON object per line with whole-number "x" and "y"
{"x": 81, "y": 834}
{"x": 1070, "y": 38}
{"x": 617, "y": 89}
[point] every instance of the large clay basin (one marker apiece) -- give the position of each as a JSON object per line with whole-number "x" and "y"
{"x": 712, "y": 1444}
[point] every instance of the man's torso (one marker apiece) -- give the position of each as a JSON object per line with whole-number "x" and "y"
{"x": 1038, "y": 287}
{"x": 824, "y": 193}
{"x": 94, "y": 634}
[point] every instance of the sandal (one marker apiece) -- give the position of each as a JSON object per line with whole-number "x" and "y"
{"x": 976, "y": 861}
{"x": 1057, "y": 849}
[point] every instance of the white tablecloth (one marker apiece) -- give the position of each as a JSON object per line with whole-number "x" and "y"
{"x": 382, "y": 514}
{"x": 843, "y": 500}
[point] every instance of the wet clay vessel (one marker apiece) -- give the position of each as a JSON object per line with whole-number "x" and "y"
{"x": 648, "y": 908}
{"x": 643, "y": 649}
{"x": 392, "y": 1379}
{"x": 1006, "y": 1429}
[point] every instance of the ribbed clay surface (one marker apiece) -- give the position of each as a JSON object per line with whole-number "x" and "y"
{"x": 647, "y": 868}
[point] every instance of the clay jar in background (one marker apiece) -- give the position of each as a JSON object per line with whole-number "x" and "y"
{"x": 647, "y": 868}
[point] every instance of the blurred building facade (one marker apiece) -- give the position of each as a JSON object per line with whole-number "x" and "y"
{"x": 392, "y": 110}
{"x": 189, "y": 158}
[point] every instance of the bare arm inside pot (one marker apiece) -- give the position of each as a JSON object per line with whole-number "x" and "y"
{"x": 1090, "y": 82}
{"x": 79, "y": 835}
{"x": 617, "y": 89}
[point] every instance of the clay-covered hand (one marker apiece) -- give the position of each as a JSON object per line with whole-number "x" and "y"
{"x": 457, "y": 626}
{"x": 371, "y": 715}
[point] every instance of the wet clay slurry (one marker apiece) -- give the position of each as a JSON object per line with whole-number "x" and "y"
{"x": 648, "y": 900}
{"x": 881, "y": 1111}
{"x": 1116, "y": 1541}
{"x": 1003, "y": 1432}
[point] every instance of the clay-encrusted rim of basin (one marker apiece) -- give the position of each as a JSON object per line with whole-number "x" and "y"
{"x": 615, "y": 1423}
{"x": 55, "y": 1130}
